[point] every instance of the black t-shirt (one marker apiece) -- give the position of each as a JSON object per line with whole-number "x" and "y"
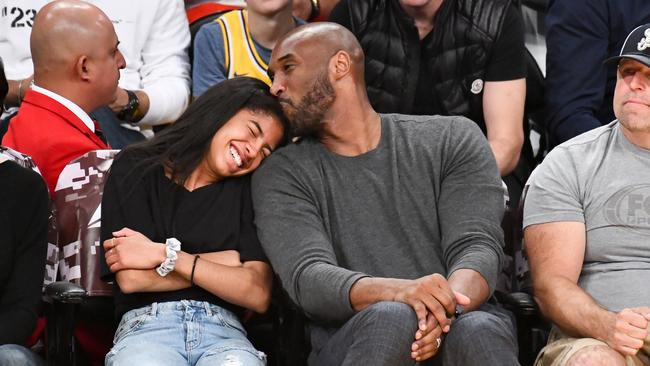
{"x": 212, "y": 218}
{"x": 23, "y": 247}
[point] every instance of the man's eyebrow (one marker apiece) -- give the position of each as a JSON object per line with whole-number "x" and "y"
{"x": 281, "y": 59}
{"x": 285, "y": 57}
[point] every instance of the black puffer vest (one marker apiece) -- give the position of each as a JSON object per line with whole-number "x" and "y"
{"x": 458, "y": 52}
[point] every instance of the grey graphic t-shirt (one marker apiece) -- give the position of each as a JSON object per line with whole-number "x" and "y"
{"x": 601, "y": 179}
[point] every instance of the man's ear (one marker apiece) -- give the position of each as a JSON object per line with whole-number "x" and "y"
{"x": 83, "y": 67}
{"x": 340, "y": 65}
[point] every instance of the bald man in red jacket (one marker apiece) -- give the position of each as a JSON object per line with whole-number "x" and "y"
{"x": 76, "y": 70}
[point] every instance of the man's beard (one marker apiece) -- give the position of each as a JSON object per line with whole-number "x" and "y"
{"x": 307, "y": 118}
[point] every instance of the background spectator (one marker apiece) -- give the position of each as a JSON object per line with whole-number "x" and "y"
{"x": 586, "y": 223}
{"x": 581, "y": 34}
{"x": 313, "y": 10}
{"x": 23, "y": 238}
{"x": 23, "y": 247}
{"x": 76, "y": 67}
{"x": 239, "y": 43}
{"x": 455, "y": 57}
{"x": 154, "y": 38}
{"x": 309, "y": 10}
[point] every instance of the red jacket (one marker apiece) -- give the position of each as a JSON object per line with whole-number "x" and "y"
{"x": 51, "y": 134}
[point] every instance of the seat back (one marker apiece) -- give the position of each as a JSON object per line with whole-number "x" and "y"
{"x": 78, "y": 209}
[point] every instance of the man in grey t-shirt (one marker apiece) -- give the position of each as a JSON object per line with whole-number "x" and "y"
{"x": 587, "y": 229}
{"x": 380, "y": 225}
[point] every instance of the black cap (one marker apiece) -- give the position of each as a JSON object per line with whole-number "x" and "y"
{"x": 636, "y": 46}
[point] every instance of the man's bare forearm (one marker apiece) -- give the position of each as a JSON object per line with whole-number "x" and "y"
{"x": 556, "y": 253}
{"x": 572, "y": 309}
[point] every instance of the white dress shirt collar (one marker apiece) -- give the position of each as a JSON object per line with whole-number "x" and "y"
{"x": 83, "y": 116}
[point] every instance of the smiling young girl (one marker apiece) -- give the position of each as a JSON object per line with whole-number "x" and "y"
{"x": 178, "y": 233}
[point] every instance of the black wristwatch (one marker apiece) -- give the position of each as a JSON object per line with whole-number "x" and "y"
{"x": 130, "y": 111}
{"x": 315, "y": 10}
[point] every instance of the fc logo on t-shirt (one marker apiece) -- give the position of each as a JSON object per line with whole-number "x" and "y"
{"x": 630, "y": 207}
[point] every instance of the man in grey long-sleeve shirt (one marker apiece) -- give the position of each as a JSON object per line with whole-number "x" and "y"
{"x": 379, "y": 225}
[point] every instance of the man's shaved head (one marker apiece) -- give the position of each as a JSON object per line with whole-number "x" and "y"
{"x": 75, "y": 53}
{"x": 65, "y": 29}
{"x": 323, "y": 40}
{"x": 312, "y": 66}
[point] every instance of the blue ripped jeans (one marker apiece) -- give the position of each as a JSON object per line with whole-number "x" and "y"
{"x": 183, "y": 332}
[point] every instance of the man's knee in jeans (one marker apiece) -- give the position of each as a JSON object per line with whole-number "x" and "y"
{"x": 393, "y": 321}
{"x": 495, "y": 321}
{"x": 483, "y": 333}
{"x": 398, "y": 316}
{"x": 380, "y": 334}
{"x": 386, "y": 330}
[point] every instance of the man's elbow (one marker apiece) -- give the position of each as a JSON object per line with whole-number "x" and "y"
{"x": 511, "y": 164}
{"x": 545, "y": 293}
{"x": 544, "y": 303}
{"x": 507, "y": 152}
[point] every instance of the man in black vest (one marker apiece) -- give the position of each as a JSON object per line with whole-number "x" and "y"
{"x": 447, "y": 57}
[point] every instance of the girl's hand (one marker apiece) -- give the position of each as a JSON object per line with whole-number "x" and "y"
{"x": 129, "y": 249}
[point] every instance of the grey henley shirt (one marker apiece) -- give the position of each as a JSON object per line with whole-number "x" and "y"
{"x": 428, "y": 199}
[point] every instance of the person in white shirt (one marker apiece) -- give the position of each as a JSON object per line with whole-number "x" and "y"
{"x": 154, "y": 37}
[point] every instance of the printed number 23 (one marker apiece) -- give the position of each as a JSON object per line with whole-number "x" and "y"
{"x": 28, "y": 14}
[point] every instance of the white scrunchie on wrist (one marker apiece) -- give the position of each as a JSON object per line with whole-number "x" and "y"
{"x": 172, "y": 247}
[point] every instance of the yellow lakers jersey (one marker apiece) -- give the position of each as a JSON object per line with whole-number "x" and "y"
{"x": 241, "y": 58}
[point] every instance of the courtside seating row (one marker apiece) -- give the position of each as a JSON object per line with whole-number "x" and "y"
{"x": 73, "y": 252}
{"x": 74, "y": 258}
